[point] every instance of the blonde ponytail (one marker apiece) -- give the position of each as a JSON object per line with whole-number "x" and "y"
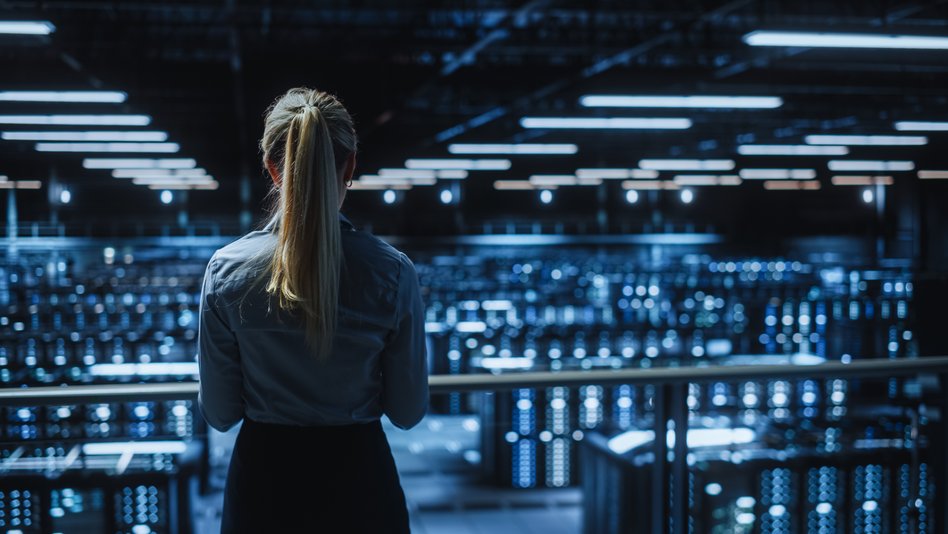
{"x": 316, "y": 135}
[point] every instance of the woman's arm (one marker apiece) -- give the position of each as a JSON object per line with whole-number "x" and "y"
{"x": 405, "y": 362}
{"x": 220, "y": 395}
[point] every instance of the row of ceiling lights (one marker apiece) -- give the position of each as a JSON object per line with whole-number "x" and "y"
{"x": 155, "y": 142}
{"x": 139, "y": 171}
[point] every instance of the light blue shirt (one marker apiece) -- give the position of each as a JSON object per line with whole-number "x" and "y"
{"x": 255, "y": 364}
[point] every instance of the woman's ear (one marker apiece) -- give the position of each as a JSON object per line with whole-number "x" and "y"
{"x": 274, "y": 173}
{"x": 349, "y": 168}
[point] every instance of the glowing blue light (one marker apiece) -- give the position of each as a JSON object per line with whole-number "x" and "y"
{"x": 745, "y": 502}
{"x": 687, "y": 164}
{"x": 166, "y": 197}
{"x": 27, "y": 27}
{"x": 687, "y": 196}
{"x": 77, "y": 120}
{"x": 791, "y": 150}
{"x": 845, "y": 40}
{"x": 631, "y": 196}
{"x": 629, "y": 440}
{"x": 870, "y": 165}
{"x": 921, "y": 126}
{"x": 518, "y": 148}
{"x": 606, "y": 123}
{"x": 690, "y": 101}
{"x": 546, "y": 196}
{"x": 388, "y": 196}
{"x": 136, "y": 447}
{"x": 446, "y": 196}
{"x": 868, "y": 140}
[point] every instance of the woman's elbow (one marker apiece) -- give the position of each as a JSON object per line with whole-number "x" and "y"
{"x": 222, "y": 422}
{"x": 406, "y": 419}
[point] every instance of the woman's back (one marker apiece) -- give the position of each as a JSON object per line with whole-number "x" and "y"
{"x": 374, "y": 365}
{"x": 309, "y": 331}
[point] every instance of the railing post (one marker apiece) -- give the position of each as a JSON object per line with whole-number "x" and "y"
{"x": 660, "y": 471}
{"x": 679, "y": 470}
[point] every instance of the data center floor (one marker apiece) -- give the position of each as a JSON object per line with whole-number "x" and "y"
{"x": 438, "y": 465}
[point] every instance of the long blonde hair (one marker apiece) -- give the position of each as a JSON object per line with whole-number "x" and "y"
{"x": 308, "y": 136}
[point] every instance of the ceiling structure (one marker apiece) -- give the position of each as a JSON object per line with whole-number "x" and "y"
{"x": 421, "y": 76}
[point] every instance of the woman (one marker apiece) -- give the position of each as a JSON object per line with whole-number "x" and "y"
{"x": 310, "y": 330}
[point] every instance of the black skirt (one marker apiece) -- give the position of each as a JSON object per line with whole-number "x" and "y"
{"x": 313, "y": 479}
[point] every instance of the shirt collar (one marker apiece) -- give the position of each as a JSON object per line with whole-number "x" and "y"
{"x": 343, "y": 221}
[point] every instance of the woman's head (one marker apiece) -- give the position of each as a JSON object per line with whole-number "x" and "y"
{"x": 309, "y": 115}
{"x": 309, "y": 146}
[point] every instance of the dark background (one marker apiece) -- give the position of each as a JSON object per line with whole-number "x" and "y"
{"x": 411, "y": 71}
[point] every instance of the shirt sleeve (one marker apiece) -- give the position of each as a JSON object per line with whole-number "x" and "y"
{"x": 220, "y": 392}
{"x": 404, "y": 361}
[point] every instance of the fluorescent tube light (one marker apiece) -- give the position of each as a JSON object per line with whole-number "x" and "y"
{"x": 804, "y": 185}
{"x": 870, "y": 165}
{"x": 778, "y": 174}
{"x": 615, "y": 174}
{"x": 77, "y": 120}
{"x": 459, "y": 164}
{"x": 185, "y": 186}
{"x": 137, "y": 163}
{"x": 21, "y": 184}
{"x": 154, "y": 137}
{"x": 106, "y": 97}
{"x": 169, "y": 180}
{"x": 406, "y": 173}
{"x": 166, "y": 148}
{"x": 372, "y": 179}
{"x": 869, "y": 140}
{"x": 517, "y": 149}
{"x": 933, "y": 175}
{"x": 589, "y": 181}
{"x": 791, "y": 150}
{"x": 687, "y": 164}
{"x": 608, "y": 174}
{"x": 845, "y": 40}
{"x": 27, "y": 27}
{"x": 553, "y": 179}
{"x": 613, "y": 123}
{"x": 452, "y": 174}
{"x": 921, "y": 126}
{"x": 643, "y": 173}
{"x": 144, "y": 173}
{"x": 650, "y": 184}
{"x": 694, "y": 101}
{"x": 513, "y": 185}
{"x": 727, "y": 179}
{"x": 861, "y": 180}
{"x": 358, "y": 185}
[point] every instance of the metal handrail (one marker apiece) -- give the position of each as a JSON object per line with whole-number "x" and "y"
{"x": 43, "y": 396}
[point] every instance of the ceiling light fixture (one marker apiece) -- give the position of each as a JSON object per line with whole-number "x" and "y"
{"x": 845, "y": 40}
{"x": 608, "y": 123}
{"x": 691, "y": 101}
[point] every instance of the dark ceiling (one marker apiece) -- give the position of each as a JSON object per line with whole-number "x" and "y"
{"x": 418, "y": 75}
